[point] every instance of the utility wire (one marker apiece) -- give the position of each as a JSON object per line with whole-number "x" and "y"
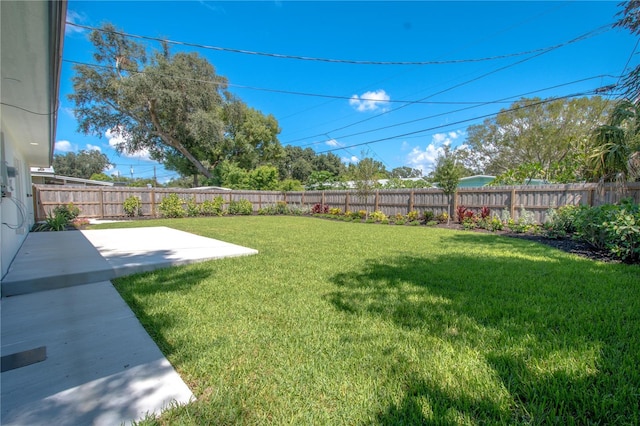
{"x": 341, "y": 61}
{"x": 581, "y": 37}
{"x": 595, "y": 91}
{"x": 289, "y": 92}
{"x": 453, "y": 123}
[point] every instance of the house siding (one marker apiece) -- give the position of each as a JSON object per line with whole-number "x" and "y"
{"x": 16, "y": 212}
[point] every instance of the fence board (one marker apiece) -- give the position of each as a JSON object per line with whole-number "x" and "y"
{"x": 106, "y": 202}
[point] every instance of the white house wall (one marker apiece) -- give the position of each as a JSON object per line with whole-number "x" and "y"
{"x": 16, "y": 211}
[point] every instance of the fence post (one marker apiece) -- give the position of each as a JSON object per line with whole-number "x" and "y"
{"x": 153, "y": 203}
{"x": 101, "y": 191}
{"x": 347, "y": 197}
{"x": 411, "y": 200}
{"x": 455, "y": 204}
{"x": 512, "y": 208}
{"x": 322, "y": 199}
{"x": 377, "y": 200}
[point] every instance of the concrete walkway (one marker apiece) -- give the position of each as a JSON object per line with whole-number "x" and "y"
{"x": 87, "y": 359}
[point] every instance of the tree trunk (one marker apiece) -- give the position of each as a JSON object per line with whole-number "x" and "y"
{"x": 175, "y": 143}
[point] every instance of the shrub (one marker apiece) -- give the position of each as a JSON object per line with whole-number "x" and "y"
{"x": 281, "y": 207}
{"x": 213, "y": 207}
{"x": 385, "y": 221}
{"x": 398, "y": 216}
{"x": 192, "y": 208}
{"x": 132, "y": 206}
{"x": 494, "y": 224}
{"x": 335, "y": 211}
{"x": 400, "y": 221}
{"x": 320, "y": 209}
{"x": 461, "y": 212}
{"x": 432, "y": 223}
{"x": 362, "y": 214}
{"x": 485, "y": 212}
{"x": 469, "y": 223}
{"x": 370, "y": 220}
{"x": 623, "y": 233}
{"x": 68, "y": 211}
{"x": 428, "y": 216}
{"x": 413, "y": 215}
{"x": 240, "y": 207}
{"x": 414, "y": 223}
{"x": 442, "y": 217}
{"x": 171, "y": 206}
{"x": 378, "y": 216}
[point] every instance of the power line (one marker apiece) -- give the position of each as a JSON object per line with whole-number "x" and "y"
{"x": 579, "y": 38}
{"x": 309, "y": 58}
{"x": 290, "y": 92}
{"x": 453, "y": 123}
{"x": 459, "y": 110}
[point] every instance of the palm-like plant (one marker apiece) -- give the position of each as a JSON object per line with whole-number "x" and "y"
{"x": 615, "y": 153}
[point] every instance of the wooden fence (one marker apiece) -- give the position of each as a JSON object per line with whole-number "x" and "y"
{"x": 106, "y": 202}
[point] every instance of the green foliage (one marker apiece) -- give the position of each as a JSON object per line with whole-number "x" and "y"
{"x": 263, "y": 178}
{"x": 83, "y": 165}
{"x": 213, "y": 207}
{"x": 442, "y": 217}
{"x": 67, "y": 211}
{"x": 132, "y": 206}
{"x": 535, "y": 138}
{"x": 56, "y": 222}
{"x": 320, "y": 180}
{"x": 171, "y": 206}
{"x": 378, "y": 216}
{"x": 401, "y": 221}
{"x": 240, "y": 207}
{"x": 335, "y": 211}
{"x": 290, "y": 185}
{"x": 191, "y": 208}
{"x": 428, "y": 216}
{"x": 413, "y": 215}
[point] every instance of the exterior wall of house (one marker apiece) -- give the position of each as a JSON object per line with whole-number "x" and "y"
{"x": 16, "y": 210}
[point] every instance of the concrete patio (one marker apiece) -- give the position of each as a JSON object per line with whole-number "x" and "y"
{"x": 73, "y": 353}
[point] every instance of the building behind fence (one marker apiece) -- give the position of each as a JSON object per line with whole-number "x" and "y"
{"x": 107, "y": 202}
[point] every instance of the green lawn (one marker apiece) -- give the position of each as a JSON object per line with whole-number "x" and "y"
{"x": 344, "y": 323}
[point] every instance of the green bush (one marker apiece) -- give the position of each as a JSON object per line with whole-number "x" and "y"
{"x": 413, "y": 215}
{"x": 378, "y": 216}
{"x": 132, "y": 206}
{"x": 171, "y": 206}
{"x": 623, "y": 233}
{"x": 428, "y": 216}
{"x": 213, "y": 207}
{"x": 240, "y": 207}
{"x": 68, "y": 211}
{"x": 192, "y": 208}
{"x": 560, "y": 222}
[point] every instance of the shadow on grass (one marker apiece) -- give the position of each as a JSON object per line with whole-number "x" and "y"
{"x": 141, "y": 286}
{"x": 559, "y": 333}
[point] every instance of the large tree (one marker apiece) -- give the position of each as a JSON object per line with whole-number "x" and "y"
{"x": 548, "y": 136}
{"x": 615, "y": 150}
{"x": 630, "y": 19}
{"x": 175, "y": 106}
{"x": 83, "y": 165}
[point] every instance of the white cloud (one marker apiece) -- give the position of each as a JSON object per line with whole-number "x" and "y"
{"x": 333, "y": 143}
{"x": 425, "y": 159}
{"x": 65, "y": 146}
{"x": 75, "y": 18}
{"x": 90, "y": 147}
{"x": 352, "y": 159}
{"x": 369, "y": 101}
{"x": 118, "y": 142}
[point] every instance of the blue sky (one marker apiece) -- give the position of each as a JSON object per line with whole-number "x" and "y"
{"x": 370, "y": 113}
